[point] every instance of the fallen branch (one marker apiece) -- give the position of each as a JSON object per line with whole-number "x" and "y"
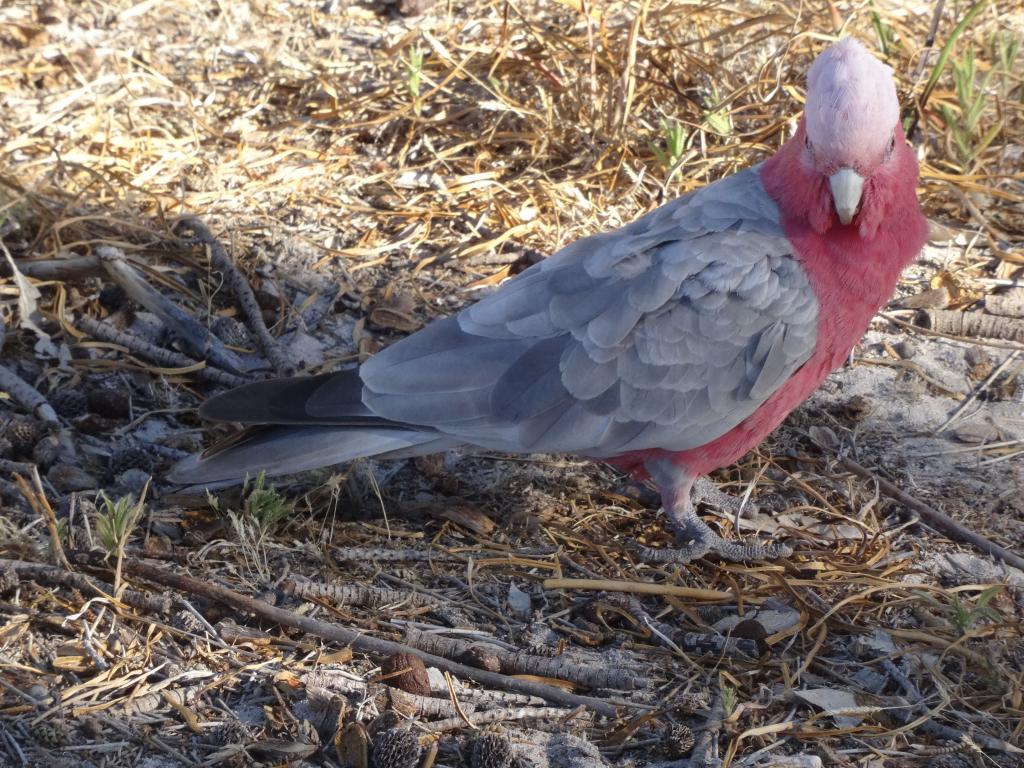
{"x": 26, "y": 395}
{"x": 159, "y": 355}
{"x": 51, "y": 574}
{"x": 239, "y": 286}
{"x": 357, "y": 639}
{"x": 72, "y": 268}
{"x": 639, "y": 588}
{"x": 193, "y": 335}
{"x": 935, "y": 518}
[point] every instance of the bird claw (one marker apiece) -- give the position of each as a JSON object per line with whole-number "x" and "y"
{"x": 711, "y": 543}
{"x": 706, "y": 492}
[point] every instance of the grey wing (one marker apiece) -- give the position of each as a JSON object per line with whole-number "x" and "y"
{"x": 666, "y": 333}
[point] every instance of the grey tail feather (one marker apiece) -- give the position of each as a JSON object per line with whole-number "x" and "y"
{"x": 285, "y": 450}
{"x": 287, "y": 401}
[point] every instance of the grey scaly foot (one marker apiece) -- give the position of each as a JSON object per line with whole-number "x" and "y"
{"x": 706, "y": 492}
{"x": 696, "y": 537}
{"x": 699, "y": 540}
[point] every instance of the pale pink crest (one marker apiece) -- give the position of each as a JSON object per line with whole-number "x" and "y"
{"x": 851, "y": 107}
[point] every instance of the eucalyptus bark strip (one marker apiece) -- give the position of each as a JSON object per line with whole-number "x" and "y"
{"x": 971, "y": 324}
{"x": 356, "y": 594}
{"x": 560, "y": 667}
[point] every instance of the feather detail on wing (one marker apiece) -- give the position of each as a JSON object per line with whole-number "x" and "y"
{"x": 664, "y": 334}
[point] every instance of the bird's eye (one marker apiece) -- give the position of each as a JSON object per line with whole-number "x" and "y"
{"x": 891, "y": 147}
{"x": 807, "y": 142}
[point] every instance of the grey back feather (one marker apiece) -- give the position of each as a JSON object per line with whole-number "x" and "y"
{"x": 666, "y": 333}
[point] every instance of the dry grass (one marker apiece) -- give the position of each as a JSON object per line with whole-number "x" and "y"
{"x": 413, "y": 162}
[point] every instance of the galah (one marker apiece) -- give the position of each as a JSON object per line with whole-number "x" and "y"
{"x": 669, "y": 347}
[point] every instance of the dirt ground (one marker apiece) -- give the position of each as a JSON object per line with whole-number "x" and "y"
{"x": 366, "y": 167}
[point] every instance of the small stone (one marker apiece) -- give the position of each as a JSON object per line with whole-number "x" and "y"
{"x": 857, "y": 407}
{"x": 396, "y": 748}
{"x": 412, "y": 675}
{"x": 67, "y": 478}
{"x": 906, "y": 349}
{"x": 6, "y": 448}
{"x": 133, "y": 481}
{"x": 70, "y": 403}
{"x": 46, "y": 451}
{"x": 491, "y": 750}
{"x": 752, "y": 629}
{"x": 481, "y": 657}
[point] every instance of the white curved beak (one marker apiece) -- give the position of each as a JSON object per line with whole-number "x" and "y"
{"x": 847, "y": 186}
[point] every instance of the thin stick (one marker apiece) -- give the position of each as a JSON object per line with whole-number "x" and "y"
{"x": 356, "y": 639}
{"x": 639, "y": 588}
{"x": 239, "y": 286}
{"x": 189, "y": 331}
{"x": 39, "y": 504}
{"x": 937, "y": 519}
{"x": 159, "y": 355}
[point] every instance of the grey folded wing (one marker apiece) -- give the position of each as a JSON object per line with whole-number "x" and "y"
{"x": 666, "y": 333}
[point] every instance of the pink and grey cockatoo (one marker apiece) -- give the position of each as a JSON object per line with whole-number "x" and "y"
{"x": 669, "y": 347}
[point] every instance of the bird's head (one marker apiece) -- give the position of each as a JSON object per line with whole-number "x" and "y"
{"x": 849, "y": 141}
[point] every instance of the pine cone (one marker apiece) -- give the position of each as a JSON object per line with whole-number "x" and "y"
{"x": 8, "y": 580}
{"x": 70, "y": 403}
{"x": 23, "y": 432}
{"x": 130, "y": 456}
{"x": 491, "y": 750}
{"x": 481, "y": 656}
{"x": 396, "y": 748}
{"x": 111, "y": 297}
{"x": 406, "y": 672}
{"x": 112, "y": 402}
{"x": 46, "y": 451}
{"x": 231, "y": 332}
{"x": 949, "y": 760}
{"x": 49, "y": 734}
{"x": 679, "y": 740}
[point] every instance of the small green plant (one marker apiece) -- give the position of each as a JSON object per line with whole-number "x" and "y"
{"x": 674, "y": 137}
{"x": 718, "y": 120}
{"x": 413, "y": 75}
{"x": 265, "y": 505}
{"x": 730, "y": 699}
{"x": 883, "y": 31}
{"x": 115, "y": 521}
{"x": 263, "y": 509}
{"x": 964, "y": 120}
{"x": 963, "y": 616}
